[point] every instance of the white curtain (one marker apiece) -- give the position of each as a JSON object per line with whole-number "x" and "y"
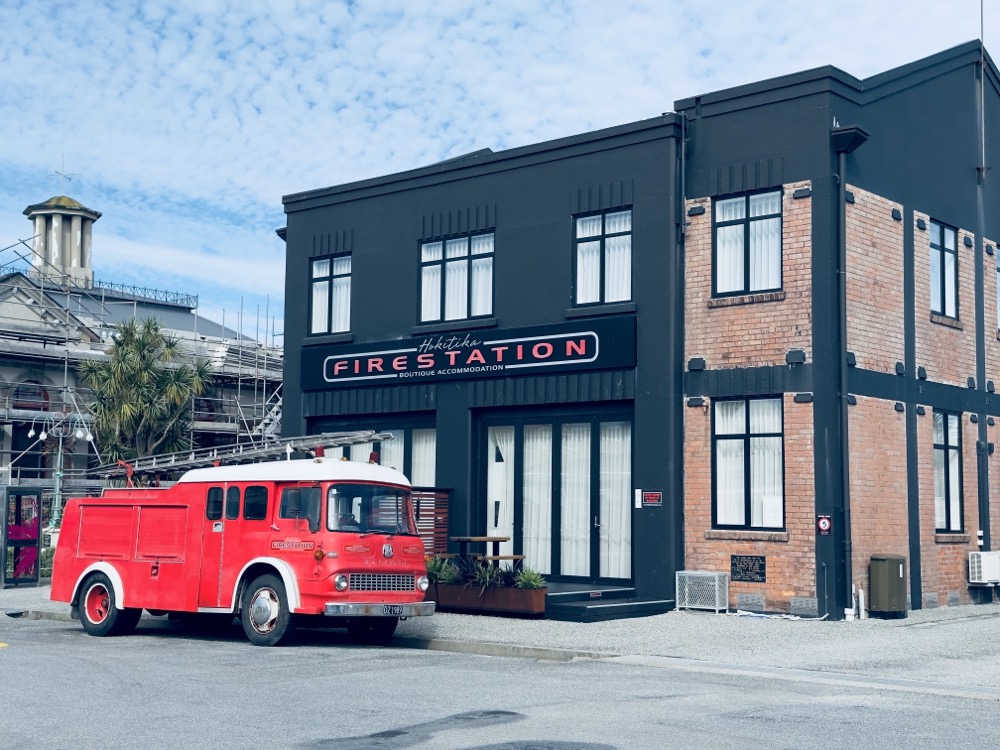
{"x": 616, "y": 489}
{"x": 500, "y": 486}
{"x": 940, "y": 515}
{"x": 588, "y": 260}
{"x": 482, "y": 286}
{"x": 588, "y": 272}
{"x": 730, "y": 419}
{"x": 949, "y": 285}
{"x": 575, "y": 500}
{"x": 456, "y": 279}
{"x": 392, "y": 451}
{"x": 955, "y": 490}
{"x": 341, "y": 318}
{"x": 422, "y": 470}
{"x": 729, "y": 246}
{"x": 430, "y": 301}
{"x": 536, "y": 532}
{"x": 362, "y": 451}
{"x": 320, "y": 306}
{"x": 766, "y": 481}
{"x": 430, "y": 282}
{"x": 618, "y": 269}
{"x": 765, "y": 242}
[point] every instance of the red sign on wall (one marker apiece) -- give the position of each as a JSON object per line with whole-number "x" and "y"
{"x": 652, "y": 497}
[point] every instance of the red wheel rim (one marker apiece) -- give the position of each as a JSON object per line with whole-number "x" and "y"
{"x": 97, "y": 603}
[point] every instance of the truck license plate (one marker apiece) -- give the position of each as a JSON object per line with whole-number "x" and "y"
{"x": 392, "y": 609}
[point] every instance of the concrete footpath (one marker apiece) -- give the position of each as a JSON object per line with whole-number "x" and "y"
{"x": 956, "y": 647}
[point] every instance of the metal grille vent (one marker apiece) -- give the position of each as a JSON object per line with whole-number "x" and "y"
{"x": 698, "y": 589}
{"x": 381, "y": 582}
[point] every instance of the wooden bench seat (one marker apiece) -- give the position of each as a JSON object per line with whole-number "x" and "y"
{"x": 499, "y": 557}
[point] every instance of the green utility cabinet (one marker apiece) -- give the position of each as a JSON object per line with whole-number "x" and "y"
{"x": 887, "y": 586}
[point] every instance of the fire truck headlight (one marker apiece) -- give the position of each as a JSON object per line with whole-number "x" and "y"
{"x": 422, "y": 583}
{"x": 340, "y": 582}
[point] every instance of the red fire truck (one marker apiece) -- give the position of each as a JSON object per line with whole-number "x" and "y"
{"x": 268, "y": 542}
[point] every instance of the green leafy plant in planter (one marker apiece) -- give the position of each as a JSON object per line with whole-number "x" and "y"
{"x": 527, "y": 578}
{"x": 442, "y": 570}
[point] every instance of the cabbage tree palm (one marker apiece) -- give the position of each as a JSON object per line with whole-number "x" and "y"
{"x": 142, "y": 392}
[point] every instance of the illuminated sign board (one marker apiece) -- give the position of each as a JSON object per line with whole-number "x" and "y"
{"x": 588, "y": 345}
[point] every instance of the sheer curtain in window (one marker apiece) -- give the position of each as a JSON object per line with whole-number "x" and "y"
{"x": 392, "y": 451}
{"x": 940, "y": 512}
{"x": 618, "y": 269}
{"x": 618, "y": 257}
{"x": 616, "y": 490}
{"x": 482, "y": 275}
{"x": 765, "y": 242}
{"x": 456, "y": 279}
{"x": 729, "y": 246}
{"x": 730, "y": 419}
{"x": 500, "y": 486}
{"x": 341, "y": 310}
{"x": 588, "y": 260}
{"x": 362, "y": 452}
{"x": 954, "y": 474}
{"x": 575, "y": 500}
{"x": 320, "y": 296}
{"x": 766, "y": 481}
{"x": 422, "y": 458}
{"x": 536, "y": 532}
{"x": 430, "y": 282}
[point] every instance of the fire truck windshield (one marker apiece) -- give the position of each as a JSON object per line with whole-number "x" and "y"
{"x": 369, "y": 509}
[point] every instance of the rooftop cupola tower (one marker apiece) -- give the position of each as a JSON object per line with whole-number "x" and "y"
{"x": 63, "y": 239}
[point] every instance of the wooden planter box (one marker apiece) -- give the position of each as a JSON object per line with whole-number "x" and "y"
{"x": 513, "y": 601}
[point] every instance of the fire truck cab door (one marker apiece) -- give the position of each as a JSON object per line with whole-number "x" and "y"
{"x": 212, "y": 546}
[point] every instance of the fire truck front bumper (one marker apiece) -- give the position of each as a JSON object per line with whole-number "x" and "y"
{"x": 360, "y": 609}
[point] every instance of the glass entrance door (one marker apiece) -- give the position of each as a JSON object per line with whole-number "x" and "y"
{"x": 560, "y": 490}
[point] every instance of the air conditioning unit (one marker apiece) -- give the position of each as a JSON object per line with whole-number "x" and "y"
{"x": 984, "y": 567}
{"x": 699, "y": 589}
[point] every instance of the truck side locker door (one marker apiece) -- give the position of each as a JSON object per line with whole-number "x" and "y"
{"x": 211, "y": 550}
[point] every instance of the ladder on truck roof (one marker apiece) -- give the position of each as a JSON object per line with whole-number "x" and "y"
{"x": 200, "y": 458}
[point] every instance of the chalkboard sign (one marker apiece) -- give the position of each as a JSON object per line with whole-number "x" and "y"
{"x": 751, "y": 568}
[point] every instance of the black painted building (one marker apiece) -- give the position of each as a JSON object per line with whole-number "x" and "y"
{"x": 670, "y": 345}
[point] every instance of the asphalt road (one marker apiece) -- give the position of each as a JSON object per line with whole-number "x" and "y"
{"x": 166, "y": 687}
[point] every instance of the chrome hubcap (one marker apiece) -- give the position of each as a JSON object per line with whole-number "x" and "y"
{"x": 264, "y": 610}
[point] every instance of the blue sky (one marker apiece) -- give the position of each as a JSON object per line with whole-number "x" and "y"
{"x": 185, "y": 123}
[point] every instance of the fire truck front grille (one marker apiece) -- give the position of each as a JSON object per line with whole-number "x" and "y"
{"x": 381, "y": 582}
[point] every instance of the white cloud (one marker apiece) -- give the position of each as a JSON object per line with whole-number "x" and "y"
{"x": 187, "y": 121}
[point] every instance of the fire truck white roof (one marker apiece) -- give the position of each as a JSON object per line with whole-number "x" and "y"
{"x": 298, "y": 470}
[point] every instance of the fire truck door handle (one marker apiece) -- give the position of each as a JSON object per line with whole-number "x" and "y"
{"x": 217, "y": 526}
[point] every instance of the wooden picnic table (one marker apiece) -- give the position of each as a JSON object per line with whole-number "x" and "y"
{"x": 465, "y": 541}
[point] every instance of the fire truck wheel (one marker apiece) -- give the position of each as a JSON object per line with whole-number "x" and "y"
{"x": 265, "y": 614}
{"x": 373, "y": 630}
{"x": 98, "y": 613}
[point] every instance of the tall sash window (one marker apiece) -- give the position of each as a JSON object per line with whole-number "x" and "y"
{"x": 603, "y": 245}
{"x": 748, "y": 463}
{"x": 747, "y": 234}
{"x": 456, "y": 278}
{"x": 330, "y": 295}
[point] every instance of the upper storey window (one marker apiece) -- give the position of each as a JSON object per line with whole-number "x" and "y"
{"x": 747, "y": 241}
{"x": 456, "y": 278}
{"x": 330, "y": 294}
{"x": 944, "y": 270}
{"x": 603, "y": 258}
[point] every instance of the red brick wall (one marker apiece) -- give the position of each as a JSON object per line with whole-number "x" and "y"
{"x": 791, "y": 555}
{"x": 944, "y": 557}
{"x": 878, "y": 484}
{"x": 760, "y": 329}
{"x": 948, "y": 354}
{"x": 874, "y": 282}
